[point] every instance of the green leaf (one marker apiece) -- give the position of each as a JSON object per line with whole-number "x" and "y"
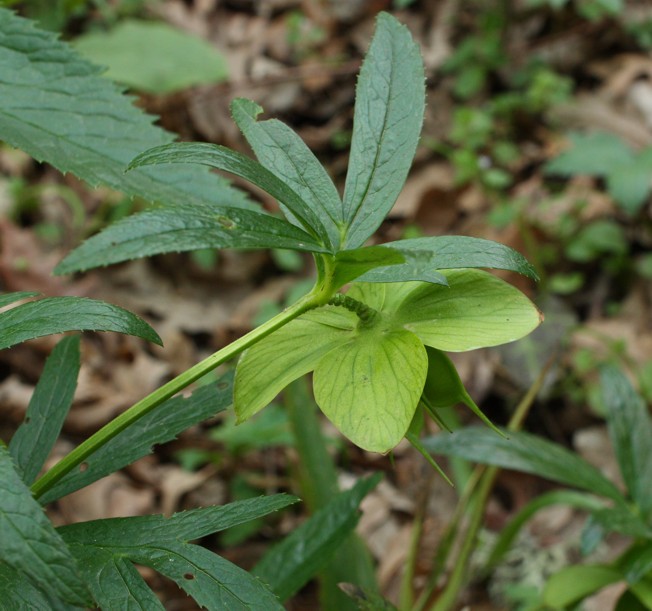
{"x": 622, "y": 518}
{"x": 350, "y": 264}
{"x": 390, "y": 100}
{"x": 58, "y": 109}
{"x": 280, "y": 150}
{"x": 104, "y": 546}
{"x": 222, "y": 158}
{"x": 630, "y": 184}
{"x": 174, "y": 230}
{"x": 289, "y": 565}
{"x": 524, "y": 452}
{"x": 9, "y": 298}
{"x": 444, "y": 388}
{"x": 266, "y": 368}
{"x": 575, "y": 583}
{"x": 419, "y": 266}
{"x": 630, "y": 429}
{"x": 168, "y": 59}
{"x": 18, "y": 592}
{"x": 158, "y": 427}
{"x": 30, "y": 544}
{"x": 31, "y": 444}
{"x": 454, "y": 252}
{"x": 60, "y": 314}
{"x": 637, "y": 562}
{"x": 595, "y": 154}
{"x": 369, "y": 388}
{"x": 476, "y": 310}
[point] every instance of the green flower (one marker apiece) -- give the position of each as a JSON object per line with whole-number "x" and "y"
{"x": 368, "y": 353}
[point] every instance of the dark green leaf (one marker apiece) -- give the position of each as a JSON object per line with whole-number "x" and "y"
{"x": 104, "y": 546}
{"x": 350, "y": 264}
{"x": 281, "y": 151}
{"x": 164, "y": 230}
{"x": 621, "y": 518}
{"x": 30, "y": 544}
{"x": 183, "y": 526}
{"x": 168, "y": 58}
{"x": 453, "y": 252}
{"x": 222, "y": 158}
{"x": 289, "y": 565}
{"x": 390, "y": 100}
{"x": 9, "y": 298}
{"x": 637, "y": 563}
{"x": 524, "y": 452}
{"x": 419, "y": 266}
{"x": 18, "y": 592}
{"x": 60, "y": 314}
{"x": 58, "y": 109}
{"x": 114, "y": 581}
{"x": 630, "y": 429}
{"x": 159, "y": 426}
{"x": 48, "y": 407}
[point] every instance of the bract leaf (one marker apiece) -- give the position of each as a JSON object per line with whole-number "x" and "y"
{"x": 30, "y": 544}
{"x": 57, "y": 108}
{"x": 476, "y": 310}
{"x": 444, "y": 388}
{"x": 60, "y": 314}
{"x": 159, "y": 426}
{"x": 165, "y": 230}
{"x": 390, "y": 100}
{"x": 289, "y": 565}
{"x": 32, "y": 442}
{"x": 369, "y": 387}
{"x": 269, "y": 366}
{"x": 455, "y": 252}
{"x": 280, "y": 150}
{"x": 222, "y": 158}
{"x": 524, "y": 452}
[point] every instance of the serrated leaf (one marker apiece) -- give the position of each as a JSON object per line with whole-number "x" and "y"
{"x": 419, "y": 266}
{"x": 630, "y": 429}
{"x": 114, "y": 581}
{"x": 266, "y": 368}
{"x": 289, "y": 565}
{"x": 30, "y": 543}
{"x": 280, "y": 150}
{"x": 225, "y": 159}
{"x": 350, "y": 264}
{"x": 18, "y": 592}
{"x": 168, "y": 59}
{"x": 47, "y": 409}
{"x": 9, "y": 298}
{"x": 390, "y": 100}
{"x": 57, "y": 108}
{"x": 103, "y": 546}
{"x": 476, "y": 310}
{"x": 159, "y": 426}
{"x": 165, "y": 230}
{"x": 369, "y": 387}
{"x": 455, "y": 252}
{"x": 60, "y": 314}
{"x": 524, "y": 452}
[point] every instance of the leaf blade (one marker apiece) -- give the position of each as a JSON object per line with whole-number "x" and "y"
{"x": 30, "y": 544}
{"x": 61, "y": 314}
{"x": 390, "y": 100}
{"x": 166, "y": 230}
{"x": 47, "y": 409}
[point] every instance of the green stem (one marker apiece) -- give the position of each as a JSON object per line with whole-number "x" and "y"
{"x": 318, "y": 296}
